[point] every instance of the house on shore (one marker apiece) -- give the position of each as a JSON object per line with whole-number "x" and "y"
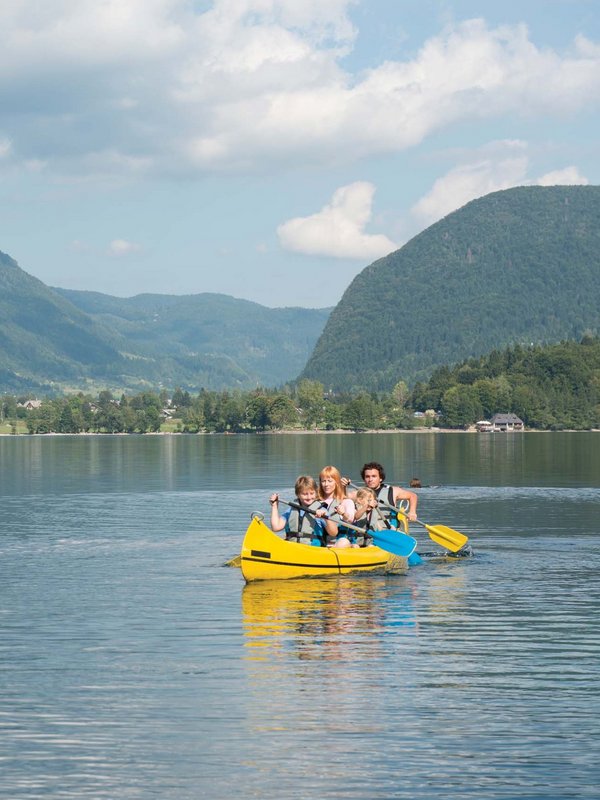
{"x": 30, "y": 405}
{"x": 502, "y": 423}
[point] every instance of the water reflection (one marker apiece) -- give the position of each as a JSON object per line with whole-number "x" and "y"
{"x": 323, "y": 619}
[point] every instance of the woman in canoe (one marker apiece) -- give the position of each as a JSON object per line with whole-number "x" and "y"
{"x": 332, "y": 493}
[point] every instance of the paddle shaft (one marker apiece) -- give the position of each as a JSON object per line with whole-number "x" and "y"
{"x": 298, "y": 507}
{"x": 439, "y": 533}
{"x": 391, "y": 540}
{"x": 380, "y": 503}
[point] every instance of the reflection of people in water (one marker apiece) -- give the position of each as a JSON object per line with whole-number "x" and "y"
{"x": 331, "y": 619}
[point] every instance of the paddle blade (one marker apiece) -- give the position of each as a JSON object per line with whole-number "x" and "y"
{"x": 447, "y": 537}
{"x": 394, "y": 542}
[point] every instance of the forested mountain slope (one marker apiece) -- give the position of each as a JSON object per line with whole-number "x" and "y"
{"x": 517, "y": 266}
{"x": 56, "y": 339}
{"x": 208, "y": 340}
{"x": 44, "y": 339}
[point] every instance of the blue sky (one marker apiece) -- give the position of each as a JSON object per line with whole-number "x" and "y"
{"x": 271, "y": 149}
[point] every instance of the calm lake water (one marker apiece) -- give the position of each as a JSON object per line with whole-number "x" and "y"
{"x": 133, "y": 664}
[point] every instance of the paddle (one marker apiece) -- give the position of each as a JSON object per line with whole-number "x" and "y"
{"x": 392, "y": 541}
{"x": 441, "y": 534}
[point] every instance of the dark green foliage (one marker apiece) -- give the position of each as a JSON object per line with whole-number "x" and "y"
{"x": 58, "y": 339}
{"x": 549, "y": 387}
{"x": 518, "y": 266}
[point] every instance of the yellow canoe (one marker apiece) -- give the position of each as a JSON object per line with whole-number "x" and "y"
{"x": 266, "y": 556}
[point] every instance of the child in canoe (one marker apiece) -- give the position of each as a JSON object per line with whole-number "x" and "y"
{"x": 367, "y": 515}
{"x": 306, "y": 524}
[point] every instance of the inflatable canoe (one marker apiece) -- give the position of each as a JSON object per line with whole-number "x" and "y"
{"x": 266, "y": 556}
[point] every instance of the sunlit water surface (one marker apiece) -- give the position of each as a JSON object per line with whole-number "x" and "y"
{"x": 133, "y": 664}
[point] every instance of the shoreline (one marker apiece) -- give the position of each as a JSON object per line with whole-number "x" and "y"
{"x": 306, "y": 432}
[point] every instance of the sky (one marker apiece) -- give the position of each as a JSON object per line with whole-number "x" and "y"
{"x": 272, "y": 149}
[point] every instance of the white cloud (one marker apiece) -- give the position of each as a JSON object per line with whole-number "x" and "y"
{"x": 155, "y": 85}
{"x": 122, "y": 247}
{"x": 338, "y": 228}
{"x": 569, "y": 176}
{"x": 499, "y": 165}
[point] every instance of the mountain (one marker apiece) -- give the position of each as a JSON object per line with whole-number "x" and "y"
{"x": 44, "y": 339}
{"x": 212, "y": 340}
{"x": 517, "y": 266}
{"x": 58, "y": 339}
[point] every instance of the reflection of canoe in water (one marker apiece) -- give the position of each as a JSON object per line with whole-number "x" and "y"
{"x": 265, "y": 556}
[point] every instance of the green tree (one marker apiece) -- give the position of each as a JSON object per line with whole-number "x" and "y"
{"x": 461, "y": 406}
{"x": 193, "y": 418}
{"x": 258, "y": 412}
{"x": 400, "y": 394}
{"x": 282, "y": 412}
{"x": 181, "y": 399}
{"x": 359, "y": 413}
{"x": 309, "y": 396}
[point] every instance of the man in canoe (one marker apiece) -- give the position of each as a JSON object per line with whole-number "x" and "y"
{"x": 307, "y": 524}
{"x": 373, "y": 475}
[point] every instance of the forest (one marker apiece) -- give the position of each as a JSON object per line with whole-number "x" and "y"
{"x": 552, "y": 387}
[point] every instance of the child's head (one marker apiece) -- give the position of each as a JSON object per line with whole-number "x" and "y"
{"x": 363, "y": 496}
{"x": 306, "y": 489}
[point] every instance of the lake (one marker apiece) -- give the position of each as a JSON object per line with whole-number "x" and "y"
{"x": 134, "y": 664}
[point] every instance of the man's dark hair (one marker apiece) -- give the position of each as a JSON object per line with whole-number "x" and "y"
{"x": 373, "y": 465}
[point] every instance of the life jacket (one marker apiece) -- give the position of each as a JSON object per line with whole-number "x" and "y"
{"x": 372, "y": 520}
{"x": 301, "y": 525}
{"x": 385, "y": 494}
{"x": 348, "y": 533}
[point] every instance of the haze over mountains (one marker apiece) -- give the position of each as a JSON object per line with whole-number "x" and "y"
{"x": 516, "y": 266}
{"x": 67, "y": 340}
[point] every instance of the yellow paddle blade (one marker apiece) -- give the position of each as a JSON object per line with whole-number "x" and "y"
{"x": 236, "y": 561}
{"x": 441, "y": 534}
{"x": 447, "y": 537}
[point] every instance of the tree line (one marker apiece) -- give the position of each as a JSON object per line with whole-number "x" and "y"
{"x": 304, "y": 406}
{"x": 549, "y": 387}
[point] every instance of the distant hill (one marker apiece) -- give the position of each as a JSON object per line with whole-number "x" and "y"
{"x": 44, "y": 339}
{"x": 62, "y": 339}
{"x": 517, "y": 266}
